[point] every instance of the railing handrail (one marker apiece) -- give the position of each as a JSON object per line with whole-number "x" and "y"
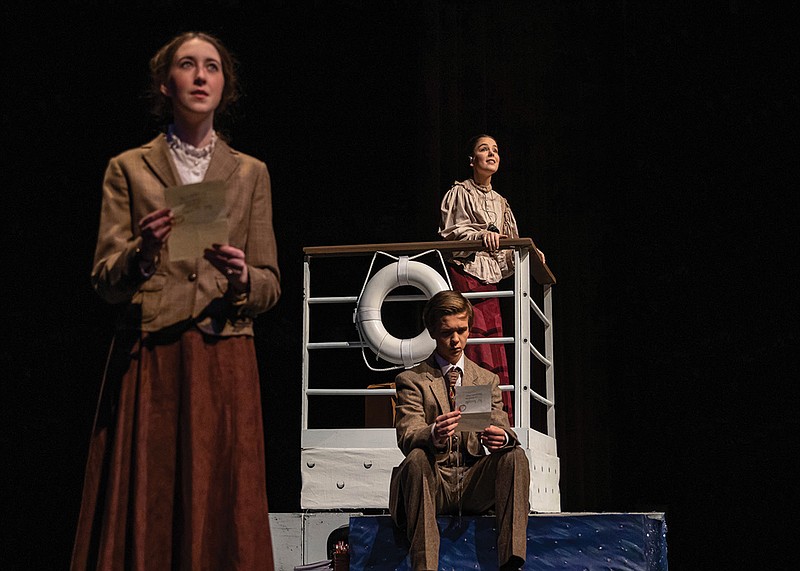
{"x": 540, "y": 271}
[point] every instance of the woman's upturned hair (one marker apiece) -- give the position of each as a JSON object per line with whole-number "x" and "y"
{"x": 470, "y": 146}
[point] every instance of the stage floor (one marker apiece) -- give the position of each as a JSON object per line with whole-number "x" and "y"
{"x": 573, "y": 541}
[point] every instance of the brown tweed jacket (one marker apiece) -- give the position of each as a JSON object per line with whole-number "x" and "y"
{"x": 421, "y": 397}
{"x": 187, "y": 290}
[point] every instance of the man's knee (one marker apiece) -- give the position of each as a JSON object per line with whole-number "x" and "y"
{"x": 408, "y": 484}
{"x": 413, "y": 471}
{"x": 519, "y": 455}
{"x": 513, "y": 457}
{"x": 418, "y": 463}
{"x": 513, "y": 464}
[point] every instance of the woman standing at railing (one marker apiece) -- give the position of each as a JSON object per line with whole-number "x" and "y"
{"x": 473, "y": 210}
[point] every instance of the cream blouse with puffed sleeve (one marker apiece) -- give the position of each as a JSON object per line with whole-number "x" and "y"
{"x": 467, "y": 212}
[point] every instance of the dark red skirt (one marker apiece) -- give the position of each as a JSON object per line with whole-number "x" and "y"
{"x": 487, "y": 322}
{"x": 175, "y": 477}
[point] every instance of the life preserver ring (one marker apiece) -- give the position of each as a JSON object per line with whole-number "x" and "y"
{"x": 405, "y": 352}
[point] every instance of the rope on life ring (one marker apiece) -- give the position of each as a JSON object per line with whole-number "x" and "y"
{"x": 406, "y": 352}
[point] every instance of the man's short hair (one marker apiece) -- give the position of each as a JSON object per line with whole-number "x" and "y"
{"x": 447, "y": 302}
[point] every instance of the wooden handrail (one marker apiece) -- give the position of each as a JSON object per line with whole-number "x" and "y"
{"x": 540, "y": 271}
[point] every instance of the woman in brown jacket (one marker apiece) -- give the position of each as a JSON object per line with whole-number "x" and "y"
{"x": 175, "y": 476}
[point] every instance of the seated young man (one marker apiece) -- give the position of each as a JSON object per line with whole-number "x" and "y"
{"x": 446, "y": 471}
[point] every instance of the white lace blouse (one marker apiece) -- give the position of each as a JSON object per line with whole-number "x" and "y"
{"x": 191, "y": 162}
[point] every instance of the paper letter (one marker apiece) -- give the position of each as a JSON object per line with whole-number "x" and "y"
{"x": 200, "y": 221}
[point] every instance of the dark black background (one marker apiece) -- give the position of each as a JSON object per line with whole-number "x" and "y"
{"x": 650, "y": 151}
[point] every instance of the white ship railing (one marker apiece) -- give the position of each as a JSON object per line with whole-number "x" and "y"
{"x": 532, "y": 341}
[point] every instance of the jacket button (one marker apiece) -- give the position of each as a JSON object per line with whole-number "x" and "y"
{"x": 192, "y": 277}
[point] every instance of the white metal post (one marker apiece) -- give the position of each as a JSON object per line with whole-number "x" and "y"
{"x": 522, "y": 334}
{"x": 306, "y": 338}
{"x": 550, "y": 369}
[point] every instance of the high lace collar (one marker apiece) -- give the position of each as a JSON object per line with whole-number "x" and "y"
{"x": 188, "y": 149}
{"x": 486, "y": 188}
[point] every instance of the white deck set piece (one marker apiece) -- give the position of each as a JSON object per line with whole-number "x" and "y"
{"x": 350, "y": 468}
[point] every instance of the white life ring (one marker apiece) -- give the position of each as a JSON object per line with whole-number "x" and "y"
{"x": 407, "y": 352}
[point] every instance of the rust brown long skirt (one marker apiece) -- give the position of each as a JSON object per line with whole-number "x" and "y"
{"x": 175, "y": 477}
{"x": 487, "y": 321}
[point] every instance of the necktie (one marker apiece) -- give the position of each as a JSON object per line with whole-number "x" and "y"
{"x": 452, "y": 378}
